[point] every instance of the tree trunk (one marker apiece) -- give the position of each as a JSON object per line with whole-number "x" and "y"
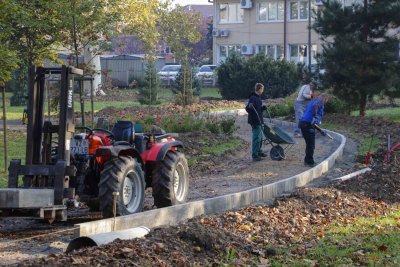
{"x": 92, "y": 61}
{"x": 363, "y": 104}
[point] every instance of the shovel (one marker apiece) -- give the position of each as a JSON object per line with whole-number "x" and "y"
{"x": 323, "y": 132}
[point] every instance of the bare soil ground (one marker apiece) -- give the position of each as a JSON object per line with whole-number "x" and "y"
{"x": 255, "y": 233}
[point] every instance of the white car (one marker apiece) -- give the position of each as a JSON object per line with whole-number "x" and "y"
{"x": 168, "y": 74}
{"x": 206, "y": 75}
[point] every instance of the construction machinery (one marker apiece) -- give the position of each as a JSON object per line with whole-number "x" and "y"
{"x": 65, "y": 162}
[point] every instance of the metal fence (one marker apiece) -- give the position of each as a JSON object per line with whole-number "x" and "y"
{"x": 123, "y": 69}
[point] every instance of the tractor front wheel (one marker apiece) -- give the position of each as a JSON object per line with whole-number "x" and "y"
{"x": 170, "y": 181}
{"x": 125, "y": 176}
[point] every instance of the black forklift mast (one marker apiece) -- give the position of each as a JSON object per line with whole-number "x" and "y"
{"x": 40, "y": 169}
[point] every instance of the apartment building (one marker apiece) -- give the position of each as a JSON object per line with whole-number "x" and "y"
{"x": 278, "y": 28}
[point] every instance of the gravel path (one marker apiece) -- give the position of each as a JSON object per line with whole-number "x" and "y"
{"x": 241, "y": 173}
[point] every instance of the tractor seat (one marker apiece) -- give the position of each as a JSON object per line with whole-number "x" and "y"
{"x": 124, "y": 132}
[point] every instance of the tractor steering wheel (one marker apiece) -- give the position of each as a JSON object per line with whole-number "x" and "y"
{"x": 87, "y": 129}
{"x": 108, "y": 133}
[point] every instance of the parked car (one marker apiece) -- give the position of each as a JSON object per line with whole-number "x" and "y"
{"x": 206, "y": 75}
{"x": 317, "y": 68}
{"x": 168, "y": 74}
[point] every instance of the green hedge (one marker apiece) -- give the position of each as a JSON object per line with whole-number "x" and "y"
{"x": 238, "y": 75}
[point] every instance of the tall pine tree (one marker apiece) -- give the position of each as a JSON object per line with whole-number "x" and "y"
{"x": 185, "y": 86}
{"x": 149, "y": 93}
{"x": 361, "y": 48}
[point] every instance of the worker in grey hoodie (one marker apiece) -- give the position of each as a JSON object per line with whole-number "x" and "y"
{"x": 303, "y": 99}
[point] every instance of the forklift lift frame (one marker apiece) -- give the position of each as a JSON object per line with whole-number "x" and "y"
{"x": 45, "y": 179}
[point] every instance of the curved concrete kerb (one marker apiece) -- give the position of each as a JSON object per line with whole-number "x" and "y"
{"x": 176, "y": 214}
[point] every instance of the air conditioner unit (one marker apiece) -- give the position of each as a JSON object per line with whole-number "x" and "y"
{"x": 224, "y": 33}
{"x": 247, "y": 4}
{"x": 215, "y": 32}
{"x": 247, "y": 49}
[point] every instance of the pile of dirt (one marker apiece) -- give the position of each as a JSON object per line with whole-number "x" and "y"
{"x": 380, "y": 184}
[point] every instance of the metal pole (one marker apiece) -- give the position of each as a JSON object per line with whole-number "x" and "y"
{"x": 82, "y": 101}
{"x": 309, "y": 36}
{"x": 3, "y": 92}
{"x": 284, "y": 31}
{"x": 91, "y": 102}
{"x": 48, "y": 96}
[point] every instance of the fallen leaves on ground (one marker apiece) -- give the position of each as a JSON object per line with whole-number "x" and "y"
{"x": 292, "y": 225}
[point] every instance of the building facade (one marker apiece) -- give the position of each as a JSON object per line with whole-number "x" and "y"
{"x": 278, "y": 28}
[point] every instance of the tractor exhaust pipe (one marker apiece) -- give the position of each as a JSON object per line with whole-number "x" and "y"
{"x": 105, "y": 238}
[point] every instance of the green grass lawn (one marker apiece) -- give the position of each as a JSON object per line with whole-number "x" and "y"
{"x": 15, "y": 150}
{"x": 392, "y": 113}
{"x": 366, "y": 242}
{"x": 211, "y": 92}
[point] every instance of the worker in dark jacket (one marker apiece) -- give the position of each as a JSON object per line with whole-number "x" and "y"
{"x": 255, "y": 110}
{"x": 312, "y": 116}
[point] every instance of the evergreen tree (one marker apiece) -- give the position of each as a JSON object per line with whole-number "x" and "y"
{"x": 361, "y": 49}
{"x": 149, "y": 93}
{"x": 186, "y": 86}
{"x": 237, "y": 76}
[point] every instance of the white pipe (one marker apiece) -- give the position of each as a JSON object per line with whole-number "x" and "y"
{"x": 105, "y": 238}
{"x": 353, "y": 174}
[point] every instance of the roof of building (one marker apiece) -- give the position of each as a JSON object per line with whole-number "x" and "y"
{"x": 206, "y": 11}
{"x": 125, "y": 57}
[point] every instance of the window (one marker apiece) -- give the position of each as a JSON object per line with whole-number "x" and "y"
{"x": 273, "y": 51}
{"x": 298, "y": 53}
{"x": 352, "y": 2}
{"x": 298, "y": 10}
{"x": 230, "y": 13}
{"x": 226, "y": 50}
{"x": 271, "y": 11}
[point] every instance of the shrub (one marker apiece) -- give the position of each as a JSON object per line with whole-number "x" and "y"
{"x": 282, "y": 110}
{"x": 181, "y": 124}
{"x": 237, "y": 76}
{"x": 336, "y": 105}
{"x": 212, "y": 127}
{"x": 227, "y": 126}
{"x": 140, "y": 82}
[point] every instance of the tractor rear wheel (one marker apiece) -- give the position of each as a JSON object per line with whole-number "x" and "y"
{"x": 123, "y": 175}
{"x": 171, "y": 180}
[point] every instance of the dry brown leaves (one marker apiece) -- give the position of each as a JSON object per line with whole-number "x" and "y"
{"x": 292, "y": 224}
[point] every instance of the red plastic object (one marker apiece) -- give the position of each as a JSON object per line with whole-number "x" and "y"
{"x": 368, "y": 157}
{"x": 391, "y": 151}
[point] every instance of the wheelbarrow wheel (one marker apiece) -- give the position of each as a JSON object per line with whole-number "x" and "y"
{"x": 277, "y": 153}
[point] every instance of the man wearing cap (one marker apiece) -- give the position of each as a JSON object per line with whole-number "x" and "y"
{"x": 303, "y": 99}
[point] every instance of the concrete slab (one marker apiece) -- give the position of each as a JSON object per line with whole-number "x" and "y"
{"x": 176, "y": 214}
{"x": 13, "y": 198}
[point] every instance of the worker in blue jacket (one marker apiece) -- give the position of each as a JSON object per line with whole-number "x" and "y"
{"x": 312, "y": 116}
{"x": 255, "y": 118}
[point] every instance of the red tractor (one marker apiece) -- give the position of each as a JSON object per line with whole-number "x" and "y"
{"x": 93, "y": 164}
{"x": 127, "y": 162}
